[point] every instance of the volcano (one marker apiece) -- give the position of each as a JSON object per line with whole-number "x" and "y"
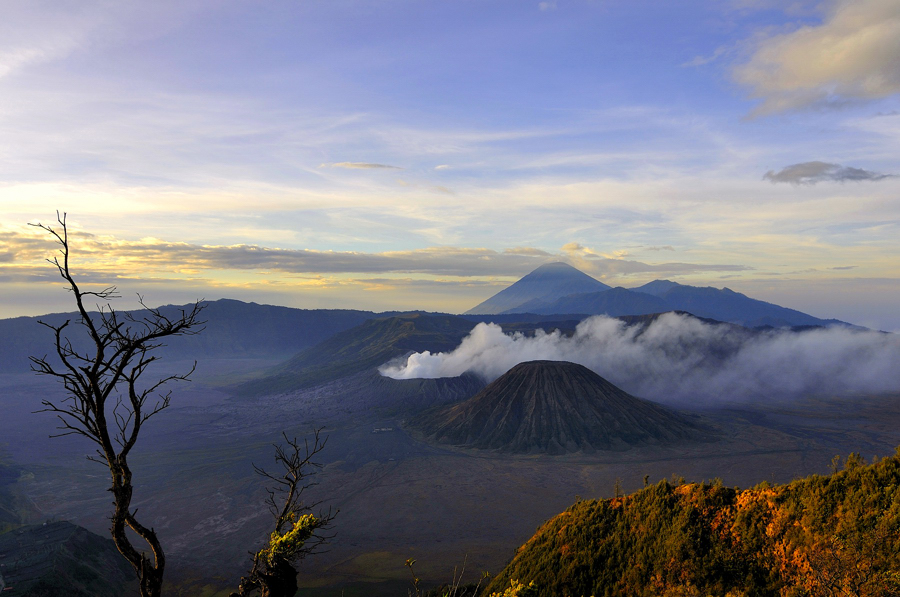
{"x": 544, "y": 285}
{"x": 555, "y": 407}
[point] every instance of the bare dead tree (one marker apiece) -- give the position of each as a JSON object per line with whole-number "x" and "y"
{"x": 107, "y": 401}
{"x": 298, "y": 532}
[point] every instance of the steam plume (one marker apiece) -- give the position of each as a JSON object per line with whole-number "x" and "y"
{"x": 678, "y": 358}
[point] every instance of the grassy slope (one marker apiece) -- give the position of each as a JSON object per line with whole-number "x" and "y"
{"x": 797, "y": 539}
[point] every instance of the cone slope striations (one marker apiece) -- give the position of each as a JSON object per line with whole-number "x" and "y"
{"x": 555, "y": 407}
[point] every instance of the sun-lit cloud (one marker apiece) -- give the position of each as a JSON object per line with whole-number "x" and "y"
{"x": 313, "y": 151}
{"x": 814, "y": 172}
{"x": 615, "y": 265}
{"x": 527, "y": 251}
{"x": 854, "y": 54}
{"x": 151, "y": 254}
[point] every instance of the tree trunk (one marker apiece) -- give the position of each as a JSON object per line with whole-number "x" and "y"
{"x": 279, "y": 580}
{"x": 150, "y": 575}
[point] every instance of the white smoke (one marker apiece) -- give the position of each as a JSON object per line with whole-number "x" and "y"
{"x": 678, "y": 358}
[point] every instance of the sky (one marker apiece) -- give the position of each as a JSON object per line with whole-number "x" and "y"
{"x": 424, "y": 154}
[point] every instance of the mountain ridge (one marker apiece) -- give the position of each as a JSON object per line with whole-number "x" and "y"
{"x": 233, "y": 329}
{"x": 544, "y": 294}
{"x": 545, "y": 284}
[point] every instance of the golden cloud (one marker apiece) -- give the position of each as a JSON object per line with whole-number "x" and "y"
{"x": 853, "y": 55}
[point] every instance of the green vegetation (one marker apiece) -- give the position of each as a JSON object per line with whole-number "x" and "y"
{"x": 297, "y": 532}
{"x": 517, "y": 589}
{"x": 289, "y": 544}
{"x": 821, "y": 535}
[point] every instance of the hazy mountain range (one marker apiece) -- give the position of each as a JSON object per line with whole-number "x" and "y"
{"x": 554, "y": 292}
{"x": 494, "y": 459}
{"x": 559, "y": 288}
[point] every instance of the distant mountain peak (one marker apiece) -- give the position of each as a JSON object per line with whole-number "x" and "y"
{"x": 556, "y": 266}
{"x": 560, "y": 289}
{"x": 657, "y": 287}
{"x": 544, "y": 285}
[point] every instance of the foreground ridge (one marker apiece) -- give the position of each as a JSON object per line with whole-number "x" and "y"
{"x": 821, "y": 535}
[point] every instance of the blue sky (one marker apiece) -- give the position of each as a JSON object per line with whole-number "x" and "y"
{"x": 424, "y": 154}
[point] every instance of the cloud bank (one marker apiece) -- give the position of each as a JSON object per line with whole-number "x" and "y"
{"x": 148, "y": 253}
{"x": 680, "y": 359}
{"x": 813, "y": 172}
{"x": 852, "y": 55}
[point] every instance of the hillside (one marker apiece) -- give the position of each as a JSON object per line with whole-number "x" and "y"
{"x": 555, "y": 407}
{"x": 363, "y": 347}
{"x": 233, "y": 329}
{"x": 821, "y": 535}
{"x": 60, "y": 559}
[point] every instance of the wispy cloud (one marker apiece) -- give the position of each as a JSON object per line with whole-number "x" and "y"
{"x": 814, "y": 172}
{"x": 33, "y": 33}
{"x": 360, "y": 166}
{"x": 432, "y": 188}
{"x": 21, "y": 46}
{"x": 615, "y": 264}
{"x": 852, "y": 55}
{"x": 703, "y": 60}
{"x": 527, "y": 251}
